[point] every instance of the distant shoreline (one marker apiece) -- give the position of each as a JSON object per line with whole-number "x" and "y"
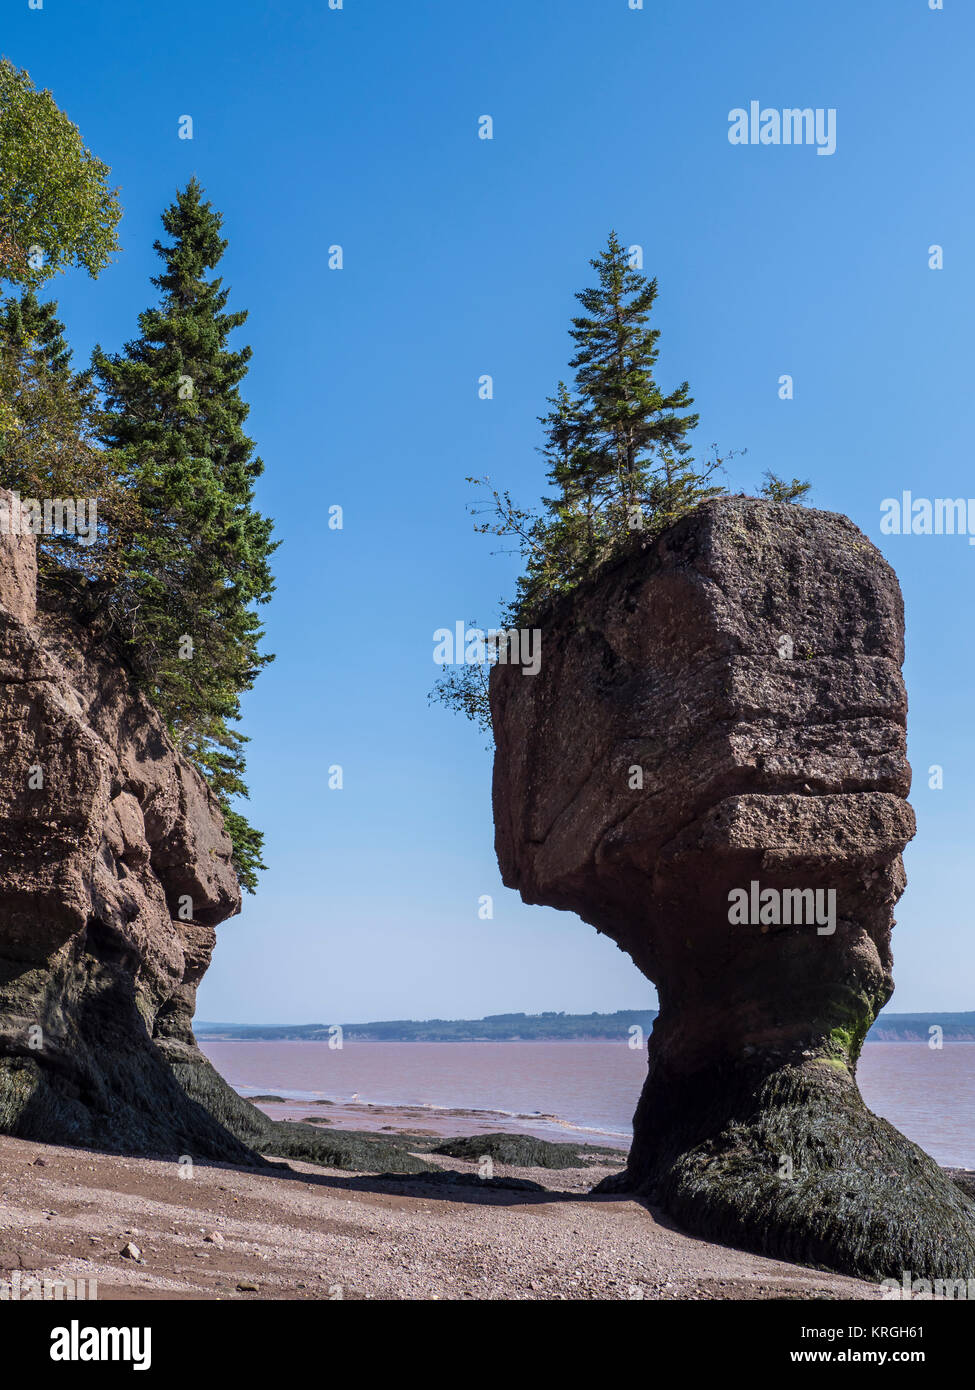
{"x": 439, "y": 1042}
{"x": 550, "y": 1027}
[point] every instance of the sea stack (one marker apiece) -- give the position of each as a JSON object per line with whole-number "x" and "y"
{"x": 710, "y": 768}
{"x": 114, "y": 871}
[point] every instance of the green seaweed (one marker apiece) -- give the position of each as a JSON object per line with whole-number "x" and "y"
{"x": 791, "y": 1163}
{"x": 520, "y": 1151}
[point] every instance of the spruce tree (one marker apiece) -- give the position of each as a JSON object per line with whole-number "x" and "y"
{"x": 617, "y": 444}
{"x": 620, "y": 463}
{"x": 26, "y": 321}
{"x": 626, "y": 420}
{"x": 198, "y": 561}
{"x": 48, "y": 451}
{"x": 575, "y": 470}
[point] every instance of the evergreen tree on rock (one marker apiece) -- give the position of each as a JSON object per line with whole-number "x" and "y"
{"x": 628, "y": 419}
{"x": 617, "y": 447}
{"x": 198, "y": 561}
{"x": 25, "y": 320}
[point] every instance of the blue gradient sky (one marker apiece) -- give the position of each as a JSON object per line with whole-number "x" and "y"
{"x": 359, "y": 127}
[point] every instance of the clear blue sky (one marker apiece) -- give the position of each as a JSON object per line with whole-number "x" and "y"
{"x": 359, "y": 127}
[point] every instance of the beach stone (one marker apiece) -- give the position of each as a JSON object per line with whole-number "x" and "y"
{"x": 720, "y": 715}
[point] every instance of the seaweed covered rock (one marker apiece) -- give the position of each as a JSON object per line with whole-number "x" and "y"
{"x": 710, "y": 768}
{"x": 515, "y": 1150}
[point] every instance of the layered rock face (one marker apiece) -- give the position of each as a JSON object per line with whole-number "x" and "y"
{"x": 114, "y": 871}
{"x": 710, "y": 768}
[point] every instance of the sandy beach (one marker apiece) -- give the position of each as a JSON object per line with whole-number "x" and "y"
{"x": 300, "y": 1232}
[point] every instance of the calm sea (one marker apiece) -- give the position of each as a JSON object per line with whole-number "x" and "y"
{"x": 587, "y": 1088}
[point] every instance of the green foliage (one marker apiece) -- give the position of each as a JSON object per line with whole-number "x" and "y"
{"x": 198, "y": 560}
{"x": 464, "y": 689}
{"x": 56, "y": 208}
{"x": 26, "y": 321}
{"x": 181, "y": 557}
{"x": 615, "y": 443}
{"x": 619, "y": 463}
{"x": 47, "y": 446}
{"x": 248, "y": 846}
{"x": 622, "y": 419}
{"x": 777, "y": 490}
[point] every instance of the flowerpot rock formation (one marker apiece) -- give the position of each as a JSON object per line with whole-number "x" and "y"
{"x": 710, "y": 768}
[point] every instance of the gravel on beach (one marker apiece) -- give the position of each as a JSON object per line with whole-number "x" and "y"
{"x": 295, "y": 1231}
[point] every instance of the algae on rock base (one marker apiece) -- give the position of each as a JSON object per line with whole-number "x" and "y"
{"x": 791, "y": 1163}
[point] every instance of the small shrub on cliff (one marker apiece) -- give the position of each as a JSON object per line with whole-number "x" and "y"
{"x": 776, "y": 489}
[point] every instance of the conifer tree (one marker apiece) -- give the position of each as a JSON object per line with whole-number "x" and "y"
{"x": 776, "y": 489}
{"x": 620, "y": 464}
{"x": 583, "y": 485}
{"x": 626, "y": 417}
{"x": 198, "y": 561}
{"x": 26, "y": 320}
{"x": 48, "y": 452}
{"x": 617, "y": 444}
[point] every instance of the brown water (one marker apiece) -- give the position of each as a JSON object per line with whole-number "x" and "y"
{"x": 584, "y": 1089}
